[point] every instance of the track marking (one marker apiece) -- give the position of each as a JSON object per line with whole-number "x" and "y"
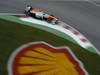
{"x": 7, "y": 14}
{"x": 92, "y": 2}
{"x": 63, "y": 30}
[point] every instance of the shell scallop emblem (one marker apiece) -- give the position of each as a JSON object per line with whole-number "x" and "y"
{"x": 43, "y": 59}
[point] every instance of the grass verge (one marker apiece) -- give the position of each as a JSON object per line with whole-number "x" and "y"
{"x": 13, "y": 35}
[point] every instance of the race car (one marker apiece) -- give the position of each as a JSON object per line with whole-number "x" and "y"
{"x": 39, "y": 14}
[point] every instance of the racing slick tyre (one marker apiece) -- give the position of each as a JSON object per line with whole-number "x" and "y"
{"x": 33, "y": 15}
{"x": 49, "y": 20}
{"x": 52, "y": 21}
{"x": 27, "y": 13}
{"x": 56, "y": 22}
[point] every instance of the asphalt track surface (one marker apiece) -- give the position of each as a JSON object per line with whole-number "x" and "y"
{"x": 82, "y": 15}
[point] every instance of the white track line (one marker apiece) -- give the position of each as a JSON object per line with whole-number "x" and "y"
{"x": 8, "y": 14}
{"x": 92, "y": 2}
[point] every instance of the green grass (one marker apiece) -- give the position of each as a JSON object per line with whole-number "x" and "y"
{"x": 50, "y": 30}
{"x": 13, "y": 35}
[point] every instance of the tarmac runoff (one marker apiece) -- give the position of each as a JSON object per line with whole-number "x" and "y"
{"x": 66, "y": 29}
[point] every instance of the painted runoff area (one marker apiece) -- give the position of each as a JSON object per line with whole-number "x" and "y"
{"x": 64, "y": 28}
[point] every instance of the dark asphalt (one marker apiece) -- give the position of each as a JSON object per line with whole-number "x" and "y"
{"x": 83, "y": 16}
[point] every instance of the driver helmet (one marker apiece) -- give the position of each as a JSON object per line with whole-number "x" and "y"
{"x": 28, "y": 8}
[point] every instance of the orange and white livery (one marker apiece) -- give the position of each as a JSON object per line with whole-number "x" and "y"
{"x": 39, "y": 14}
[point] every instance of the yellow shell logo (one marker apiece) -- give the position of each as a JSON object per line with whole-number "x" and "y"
{"x": 43, "y": 59}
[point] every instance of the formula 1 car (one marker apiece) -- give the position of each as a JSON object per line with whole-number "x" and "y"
{"x": 39, "y": 14}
